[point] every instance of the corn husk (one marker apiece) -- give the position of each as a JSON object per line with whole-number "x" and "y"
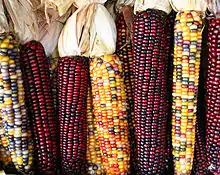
{"x": 83, "y": 3}
{"x": 104, "y": 33}
{"x": 89, "y": 31}
{"x": 182, "y": 5}
{"x": 214, "y": 7}
{"x": 142, "y": 5}
{"x": 24, "y": 19}
{"x": 4, "y": 27}
{"x": 110, "y": 6}
{"x": 121, "y": 3}
{"x": 49, "y": 32}
{"x": 62, "y": 5}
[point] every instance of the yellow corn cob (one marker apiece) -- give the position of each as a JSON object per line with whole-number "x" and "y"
{"x": 188, "y": 39}
{"x": 109, "y": 102}
{"x": 93, "y": 153}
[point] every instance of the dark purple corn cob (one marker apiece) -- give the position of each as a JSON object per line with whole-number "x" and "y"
{"x": 200, "y": 166}
{"x": 72, "y": 87}
{"x": 213, "y": 98}
{"x": 125, "y": 52}
{"x": 170, "y": 40}
{"x": 39, "y": 100}
{"x": 150, "y": 92}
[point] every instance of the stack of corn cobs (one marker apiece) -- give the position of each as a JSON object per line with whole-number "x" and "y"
{"x": 131, "y": 113}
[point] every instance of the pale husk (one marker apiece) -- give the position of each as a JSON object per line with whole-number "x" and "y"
{"x": 214, "y": 7}
{"x": 83, "y": 3}
{"x": 67, "y": 43}
{"x": 62, "y": 5}
{"x": 103, "y": 32}
{"x": 49, "y": 32}
{"x": 182, "y": 5}
{"x": 23, "y": 18}
{"x": 142, "y": 5}
{"x": 121, "y": 3}
{"x": 89, "y": 31}
{"x": 4, "y": 27}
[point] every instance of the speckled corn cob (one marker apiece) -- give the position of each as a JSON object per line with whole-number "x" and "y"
{"x": 188, "y": 40}
{"x": 213, "y": 98}
{"x": 93, "y": 153}
{"x": 14, "y": 114}
{"x": 109, "y": 102}
{"x": 5, "y": 156}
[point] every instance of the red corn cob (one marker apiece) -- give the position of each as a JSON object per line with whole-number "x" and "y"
{"x": 72, "y": 87}
{"x": 213, "y": 98}
{"x": 40, "y": 105}
{"x": 125, "y": 53}
{"x": 150, "y": 92}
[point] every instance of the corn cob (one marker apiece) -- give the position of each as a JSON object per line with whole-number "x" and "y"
{"x": 35, "y": 67}
{"x": 72, "y": 87}
{"x": 150, "y": 92}
{"x": 213, "y": 98}
{"x": 109, "y": 102}
{"x": 125, "y": 54}
{"x": 13, "y": 109}
{"x": 188, "y": 39}
{"x": 170, "y": 39}
{"x": 5, "y": 157}
{"x": 200, "y": 166}
{"x": 93, "y": 153}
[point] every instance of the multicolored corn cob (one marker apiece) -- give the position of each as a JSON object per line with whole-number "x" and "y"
{"x": 109, "y": 108}
{"x": 93, "y": 154}
{"x": 72, "y": 87}
{"x": 14, "y": 115}
{"x": 187, "y": 49}
{"x": 213, "y": 98}
{"x": 39, "y": 100}
{"x": 150, "y": 92}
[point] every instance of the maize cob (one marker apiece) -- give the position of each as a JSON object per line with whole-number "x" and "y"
{"x": 109, "y": 102}
{"x": 39, "y": 101}
{"x": 213, "y": 98}
{"x": 170, "y": 39}
{"x": 150, "y": 92}
{"x": 125, "y": 54}
{"x": 72, "y": 86}
{"x": 5, "y": 157}
{"x": 200, "y": 158}
{"x": 187, "y": 48}
{"x": 93, "y": 153}
{"x": 14, "y": 114}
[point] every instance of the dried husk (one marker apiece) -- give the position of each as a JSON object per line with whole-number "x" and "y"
{"x": 121, "y": 3}
{"x": 49, "y": 32}
{"x": 214, "y": 7}
{"x": 83, "y": 3}
{"x": 104, "y": 33}
{"x": 23, "y": 18}
{"x": 142, "y": 5}
{"x": 182, "y": 5}
{"x": 4, "y": 27}
{"x": 89, "y": 31}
